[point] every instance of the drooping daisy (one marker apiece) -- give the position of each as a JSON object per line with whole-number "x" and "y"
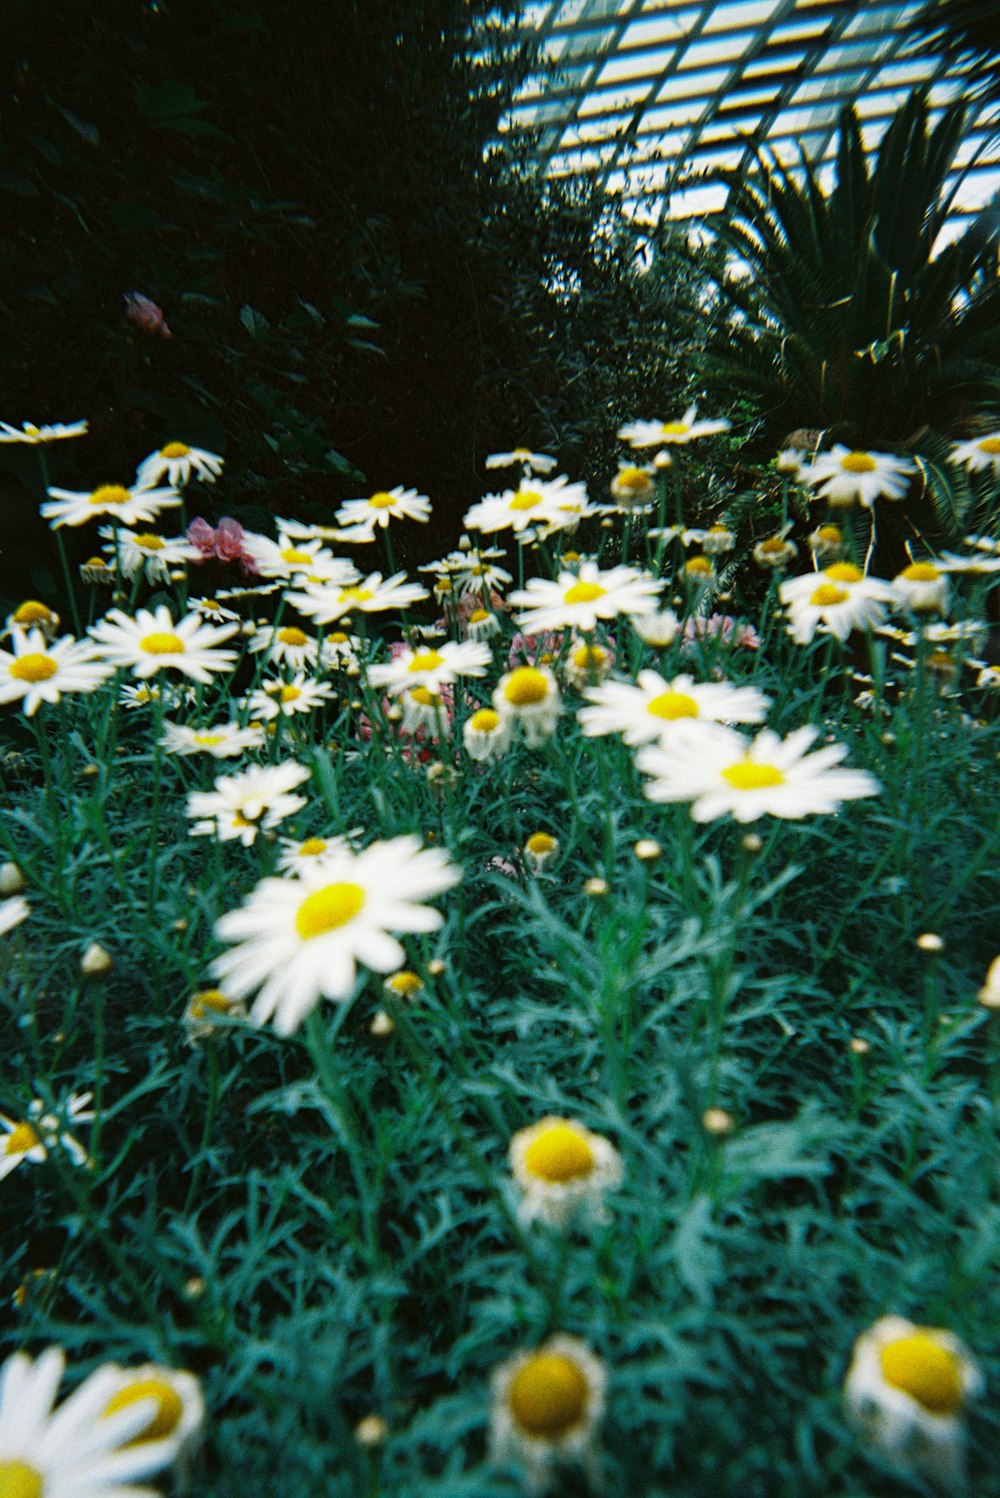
{"x": 790, "y": 461}
{"x": 12, "y": 913}
{"x": 39, "y": 670}
{"x": 152, "y": 642}
{"x": 653, "y": 708}
{"x": 137, "y": 551}
{"x": 561, "y": 1167}
{"x": 587, "y": 664}
{"x": 698, "y": 573}
{"x": 659, "y": 630}
{"x": 388, "y": 504}
{"x": 662, "y": 433}
{"x": 538, "y": 852}
{"x": 78, "y": 1450}
{"x": 28, "y": 432}
{"x": 548, "y": 505}
{"x": 427, "y": 710}
{"x": 34, "y": 1137}
{"x": 33, "y": 614}
{"x": 529, "y": 461}
{"x": 546, "y": 1408}
{"x": 906, "y": 1390}
{"x": 340, "y": 651}
{"x": 286, "y": 646}
{"x": 432, "y": 668}
{"x": 714, "y": 541}
{"x": 327, "y": 602}
{"x": 283, "y": 699}
{"x": 846, "y": 476}
{"x": 297, "y": 940}
{"x": 219, "y": 740}
{"x": 775, "y": 552}
{"x": 486, "y": 734}
{"x": 980, "y": 564}
{"x": 297, "y": 560}
{"x": 129, "y": 506}
{"x": 177, "y": 463}
{"x": 577, "y": 600}
{"x": 632, "y": 487}
{"x": 529, "y": 696}
{"x": 722, "y": 773}
{"x": 980, "y": 453}
{"x": 173, "y": 1399}
{"x": 482, "y": 625}
{"x": 922, "y": 588}
{"x": 836, "y": 600}
{"x": 240, "y": 806}
{"x": 826, "y": 542}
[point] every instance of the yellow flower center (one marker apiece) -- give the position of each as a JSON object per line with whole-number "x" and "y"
{"x": 405, "y": 983}
{"x": 32, "y": 612}
{"x": 525, "y": 687}
{"x": 826, "y": 595}
{"x": 525, "y": 499}
{"x": 858, "y": 463}
{"x": 338, "y": 637}
{"x": 698, "y": 567}
{"x": 673, "y": 705}
{"x": 296, "y": 557}
{"x": 328, "y": 909}
{"x": 831, "y": 533}
{"x": 148, "y": 541}
{"x": 382, "y": 500}
{"x": 746, "y": 775}
{"x": 110, "y": 494}
{"x": 589, "y": 657}
{"x": 485, "y": 720}
{"x": 290, "y": 694}
{"x": 584, "y": 593}
{"x": 477, "y": 616}
{"x": 990, "y": 446}
{"x": 773, "y": 545}
{"x": 33, "y": 667}
{"x": 355, "y": 595}
{"x": 844, "y": 572}
{"x": 292, "y": 636}
{"x": 560, "y": 1153}
{"x": 212, "y": 1000}
{"x": 162, "y": 644}
{"x": 929, "y": 1373}
{"x": 209, "y": 740}
{"x": 175, "y": 450}
{"x": 210, "y": 606}
{"x": 18, "y": 1480}
{"x": 426, "y": 660}
{"x": 540, "y": 843}
{"x": 548, "y": 1395}
{"x": 521, "y": 452}
{"x": 633, "y": 479}
{"x": 20, "y": 1140}
{"x": 312, "y": 847}
{"x": 920, "y": 572}
{"x": 675, "y": 428}
{"x": 167, "y": 1415}
{"x": 425, "y": 698}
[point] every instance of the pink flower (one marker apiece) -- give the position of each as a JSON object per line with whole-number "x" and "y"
{"x": 224, "y": 543}
{"x": 145, "y": 314}
{"x": 723, "y": 626}
{"x": 528, "y": 648}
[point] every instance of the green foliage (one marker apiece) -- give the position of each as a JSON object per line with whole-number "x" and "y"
{"x": 965, "y": 30}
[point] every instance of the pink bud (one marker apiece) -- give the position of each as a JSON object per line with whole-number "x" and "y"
{"x": 145, "y": 314}
{"x": 201, "y": 534}
{"x": 229, "y": 539}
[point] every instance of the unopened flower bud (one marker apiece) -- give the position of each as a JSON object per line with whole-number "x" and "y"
{"x": 95, "y": 961}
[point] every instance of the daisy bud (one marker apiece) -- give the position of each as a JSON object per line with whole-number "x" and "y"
{"x": 403, "y": 984}
{"x": 382, "y": 1024}
{"x": 930, "y": 942}
{"x": 596, "y": 888}
{"x": 371, "y": 1431}
{"x": 989, "y": 994}
{"x": 859, "y": 1046}
{"x": 96, "y": 961}
{"x": 647, "y": 849}
{"x": 539, "y": 851}
{"x": 11, "y": 879}
{"x": 718, "y": 1122}
{"x": 436, "y": 967}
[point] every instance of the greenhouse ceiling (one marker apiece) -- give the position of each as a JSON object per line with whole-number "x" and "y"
{"x": 655, "y": 96}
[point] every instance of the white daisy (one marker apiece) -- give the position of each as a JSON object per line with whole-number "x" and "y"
{"x": 427, "y": 710}
{"x": 297, "y": 940}
{"x": 486, "y": 734}
{"x": 632, "y": 486}
{"x": 653, "y": 708}
{"x": 286, "y": 646}
{"x": 283, "y": 699}
{"x": 340, "y": 651}
{"x": 659, "y": 630}
{"x": 152, "y": 642}
{"x": 836, "y": 600}
{"x": 297, "y": 560}
{"x": 576, "y": 600}
{"x": 12, "y": 913}
{"x": 387, "y": 504}
{"x": 529, "y": 696}
{"x": 845, "y": 476}
{"x": 980, "y": 453}
{"x": 552, "y": 505}
{"x": 922, "y": 588}
{"x": 714, "y": 541}
{"x": 352, "y": 535}
{"x": 34, "y": 1137}
{"x": 253, "y": 801}
{"x": 28, "y": 432}
{"x": 475, "y": 571}
{"x": 220, "y": 740}
{"x": 482, "y": 625}
{"x": 562, "y": 1168}
{"x": 135, "y": 551}
{"x": 826, "y": 542}
{"x": 722, "y": 773}
{"x": 587, "y": 664}
{"x": 173, "y": 1401}
{"x": 177, "y": 464}
{"x": 129, "y": 506}
{"x": 546, "y": 1407}
{"x": 32, "y": 613}
{"x": 661, "y": 433}
{"x": 78, "y": 1450}
{"x": 529, "y": 461}
{"x": 980, "y": 564}
{"x": 214, "y": 611}
{"x": 905, "y": 1391}
{"x": 327, "y": 602}
{"x": 775, "y": 552}
{"x": 39, "y": 670}
{"x": 312, "y": 852}
{"x": 431, "y": 668}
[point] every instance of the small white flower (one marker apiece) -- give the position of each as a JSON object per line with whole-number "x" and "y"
{"x": 775, "y": 552}
{"x": 220, "y": 740}
{"x": 845, "y": 476}
{"x": 129, "y": 506}
{"x": 714, "y": 542}
{"x": 922, "y": 588}
{"x": 905, "y": 1391}
{"x": 560, "y": 1166}
{"x": 152, "y": 642}
{"x": 33, "y": 1138}
{"x": 12, "y": 913}
{"x": 659, "y": 630}
{"x": 371, "y": 595}
{"x": 33, "y": 614}
{"x": 836, "y": 600}
{"x": 137, "y": 551}
{"x": 253, "y": 801}
{"x": 297, "y": 940}
{"x": 790, "y": 461}
{"x": 388, "y": 504}
{"x": 40, "y": 671}
{"x": 529, "y": 696}
{"x": 283, "y": 699}
{"x": 173, "y": 1401}
{"x": 654, "y": 707}
{"x": 661, "y": 433}
{"x": 33, "y": 435}
{"x": 722, "y": 773}
{"x": 285, "y": 646}
{"x": 577, "y": 600}
{"x": 587, "y": 664}
{"x": 177, "y": 464}
{"x": 298, "y": 560}
{"x": 546, "y": 1408}
{"x": 486, "y": 734}
{"x": 529, "y": 461}
{"x": 550, "y": 505}
{"x": 432, "y": 668}
{"x": 424, "y": 709}
{"x": 826, "y": 542}
{"x": 633, "y": 487}
{"x": 311, "y": 852}
{"x": 980, "y": 453}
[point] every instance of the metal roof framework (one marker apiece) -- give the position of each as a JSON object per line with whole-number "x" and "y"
{"x": 653, "y": 96}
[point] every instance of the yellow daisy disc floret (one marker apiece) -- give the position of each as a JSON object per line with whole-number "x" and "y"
{"x": 548, "y": 1396}
{"x": 922, "y": 1368}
